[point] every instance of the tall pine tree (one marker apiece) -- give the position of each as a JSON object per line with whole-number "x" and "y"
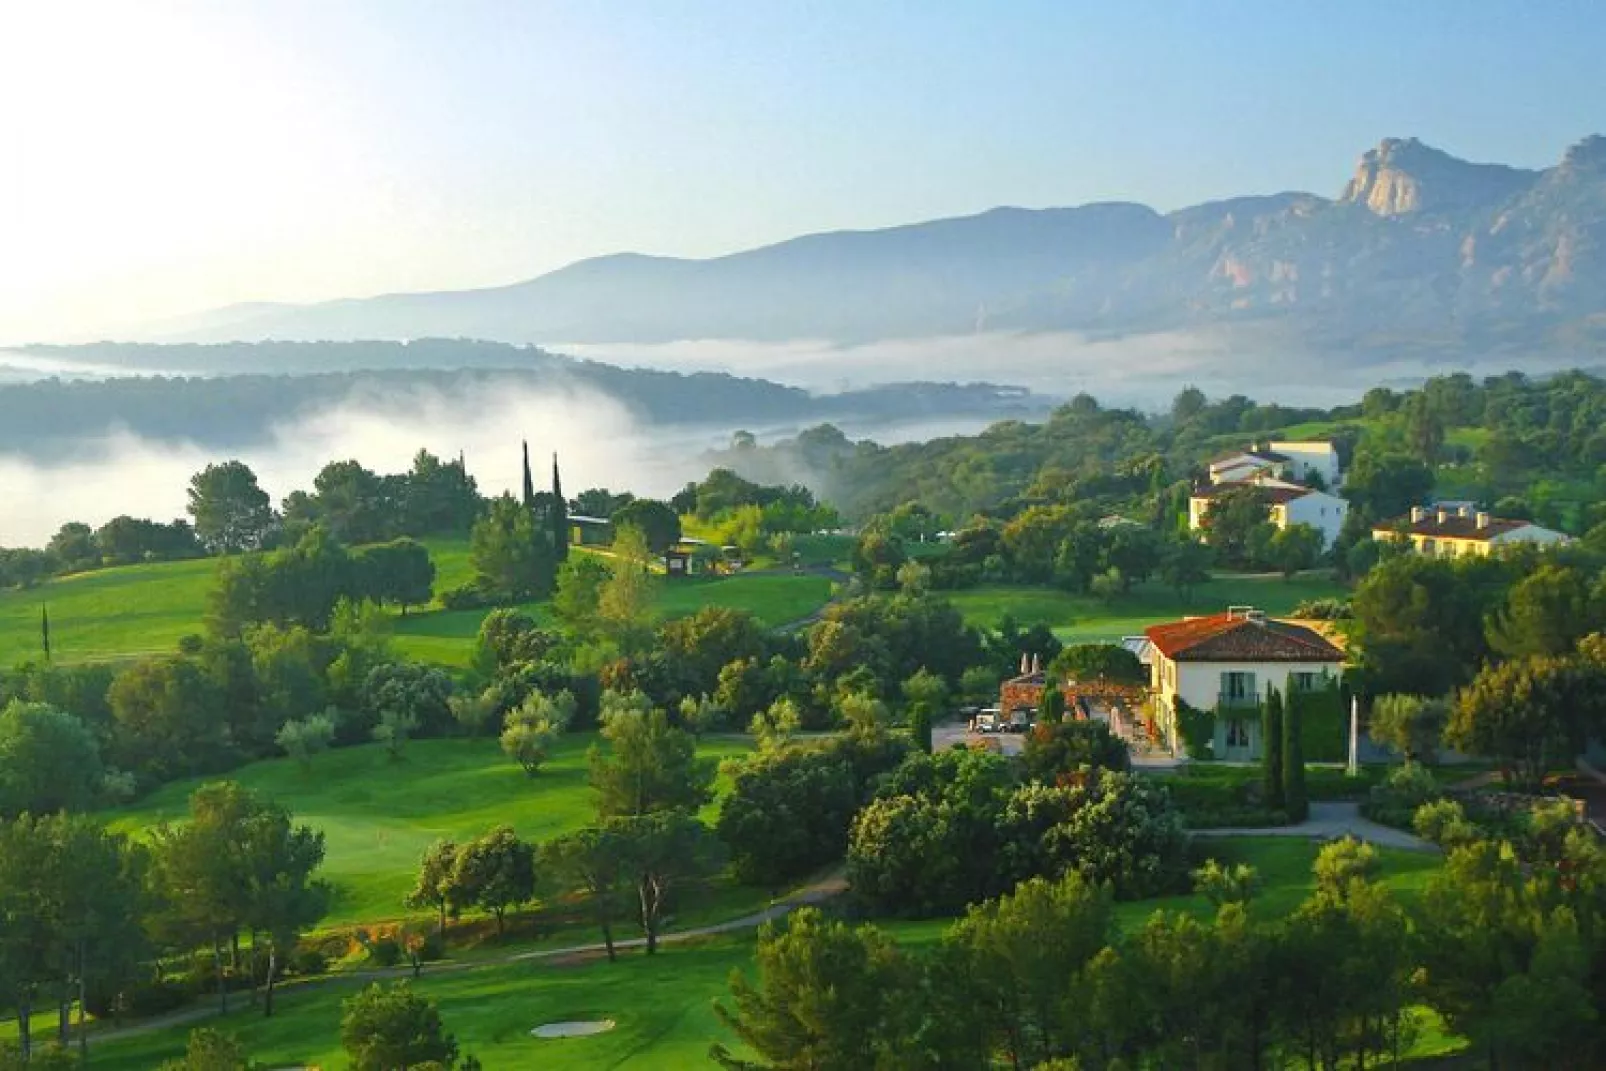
{"x": 560, "y": 517}
{"x": 1294, "y": 798}
{"x": 529, "y": 484}
{"x": 1271, "y": 746}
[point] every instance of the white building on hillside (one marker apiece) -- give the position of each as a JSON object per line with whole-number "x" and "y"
{"x": 1288, "y": 460}
{"x": 1288, "y": 503}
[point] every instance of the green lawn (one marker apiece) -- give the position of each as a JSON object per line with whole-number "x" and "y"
{"x": 662, "y": 1005}
{"x": 774, "y": 598}
{"x": 378, "y": 816}
{"x": 1085, "y": 619}
{"x": 145, "y": 609}
{"x": 110, "y": 613}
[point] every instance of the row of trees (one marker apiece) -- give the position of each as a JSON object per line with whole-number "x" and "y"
{"x": 1060, "y": 544}
{"x": 1506, "y": 944}
{"x": 302, "y": 584}
{"x": 232, "y": 513}
{"x": 86, "y": 915}
{"x": 218, "y": 702}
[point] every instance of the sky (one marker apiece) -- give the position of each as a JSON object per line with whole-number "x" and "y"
{"x": 158, "y": 159}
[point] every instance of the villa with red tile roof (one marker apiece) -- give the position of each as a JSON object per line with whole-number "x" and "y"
{"x": 1224, "y": 663}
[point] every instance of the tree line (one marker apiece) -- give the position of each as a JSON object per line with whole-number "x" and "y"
{"x": 92, "y": 921}
{"x": 1507, "y": 944}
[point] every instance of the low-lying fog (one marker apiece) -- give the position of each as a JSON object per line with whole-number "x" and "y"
{"x": 1144, "y": 371}
{"x": 602, "y": 444}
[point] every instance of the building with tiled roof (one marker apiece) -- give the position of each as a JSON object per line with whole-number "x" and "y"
{"x": 1452, "y": 532}
{"x": 1289, "y": 460}
{"x": 1286, "y": 503}
{"x": 1225, "y": 662}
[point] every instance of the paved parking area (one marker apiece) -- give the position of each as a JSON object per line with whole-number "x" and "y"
{"x": 952, "y": 733}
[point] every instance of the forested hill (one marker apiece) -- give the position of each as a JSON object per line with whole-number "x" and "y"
{"x": 40, "y": 419}
{"x": 1531, "y": 447}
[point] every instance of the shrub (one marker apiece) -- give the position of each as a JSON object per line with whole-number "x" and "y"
{"x": 384, "y": 952}
{"x": 468, "y": 596}
{"x": 433, "y": 947}
{"x": 157, "y": 996}
{"x": 1445, "y": 823}
{"x": 1403, "y": 791}
{"x": 1198, "y": 730}
{"x": 309, "y": 961}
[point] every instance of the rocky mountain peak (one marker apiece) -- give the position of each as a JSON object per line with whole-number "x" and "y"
{"x": 1588, "y": 154}
{"x": 1403, "y": 176}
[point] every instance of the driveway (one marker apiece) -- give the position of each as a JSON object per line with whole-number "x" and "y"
{"x": 953, "y": 733}
{"x": 1330, "y": 820}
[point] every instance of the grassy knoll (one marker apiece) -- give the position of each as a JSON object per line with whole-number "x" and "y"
{"x": 378, "y": 816}
{"x": 110, "y": 613}
{"x": 1085, "y": 619}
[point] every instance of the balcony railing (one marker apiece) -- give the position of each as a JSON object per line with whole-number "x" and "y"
{"x": 1233, "y": 702}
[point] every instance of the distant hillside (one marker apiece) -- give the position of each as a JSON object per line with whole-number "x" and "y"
{"x": 197, "y": 401}
{"x": 1421, "y": 252}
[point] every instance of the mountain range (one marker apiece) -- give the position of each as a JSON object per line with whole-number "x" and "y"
{"x": 1421, "y": 253}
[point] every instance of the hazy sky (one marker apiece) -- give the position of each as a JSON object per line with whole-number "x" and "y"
{"x": 161, "y": 158}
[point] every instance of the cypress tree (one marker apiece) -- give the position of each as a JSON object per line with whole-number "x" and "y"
{"x": 560, "y": 517}
{"x": 1294, "y": 798}
{"x": 920, "y": 727}
{"x": 1051, "y": 707}
{"x": 1271, "y": 746}
{"x": 529, "y": 484}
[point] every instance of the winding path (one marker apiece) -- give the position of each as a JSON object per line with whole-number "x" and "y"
{"x": 832, "y": 885}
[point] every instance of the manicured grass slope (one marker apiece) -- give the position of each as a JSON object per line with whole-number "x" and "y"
{"x": 378, "y": 816}
{"x": 145, "y": 609}
{"x": 1085, "y": 619}
{"x": 663, "y": 1005}
{"x": 111, "y": 613}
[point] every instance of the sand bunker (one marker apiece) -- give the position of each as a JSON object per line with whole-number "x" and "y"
{"x": 580, "y": 1029}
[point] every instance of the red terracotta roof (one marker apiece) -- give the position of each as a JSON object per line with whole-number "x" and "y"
{"x": 1233, "y": 637}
